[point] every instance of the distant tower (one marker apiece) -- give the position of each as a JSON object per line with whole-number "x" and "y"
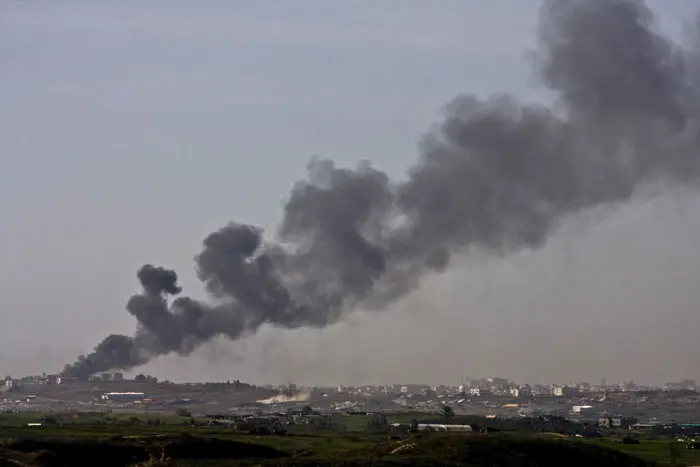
{"x": 602, "y": 382}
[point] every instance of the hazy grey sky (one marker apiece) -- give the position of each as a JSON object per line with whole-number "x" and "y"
{"x": 131, "y": 129}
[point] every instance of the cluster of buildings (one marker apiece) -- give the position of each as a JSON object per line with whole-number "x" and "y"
{"x": 59, "y": 379}
{"x": 500, "y": 387}
{"x": 614, "y": 405}
{"x": 10, "y": 382}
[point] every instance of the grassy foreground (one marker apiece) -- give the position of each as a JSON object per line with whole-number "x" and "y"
{"x": 432, "y": 450}
{"x": 88, "y": 443}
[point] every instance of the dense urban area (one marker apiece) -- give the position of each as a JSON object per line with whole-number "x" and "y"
{"x": 625, "y": 404}
{"x": 647, "y": 424}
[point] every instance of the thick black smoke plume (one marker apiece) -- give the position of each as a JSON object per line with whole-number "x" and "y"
{"x": 494, "y": 174}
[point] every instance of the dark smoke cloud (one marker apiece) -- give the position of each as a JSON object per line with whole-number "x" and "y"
{"x": 157, "y": 281}
{"x": 495, "y": 175}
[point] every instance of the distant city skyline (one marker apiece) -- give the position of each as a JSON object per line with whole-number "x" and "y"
{"x": 480, "y": 387}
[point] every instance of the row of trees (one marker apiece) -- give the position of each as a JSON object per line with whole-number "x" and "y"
{"x": 141, "y": 378}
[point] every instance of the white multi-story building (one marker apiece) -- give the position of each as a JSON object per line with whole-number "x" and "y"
{"x": 564, "y": 391}
{"x": 520, "y": 391}
{"x": 480, "y": 391}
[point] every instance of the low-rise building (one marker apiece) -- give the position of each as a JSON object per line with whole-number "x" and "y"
{"x": 581, "y": 409}
{"x": 616, "y": 422}
{"x": 123, "y": 396}
{"x": 53, "y": 379}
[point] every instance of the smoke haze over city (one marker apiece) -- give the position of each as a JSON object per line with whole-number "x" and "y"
{"x": 549, "y": 240}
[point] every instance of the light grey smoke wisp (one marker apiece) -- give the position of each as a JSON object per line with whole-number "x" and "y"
{"x": 495, "y": 175}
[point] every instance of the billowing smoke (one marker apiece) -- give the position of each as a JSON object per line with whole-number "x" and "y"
{"x": 495, "y": 175}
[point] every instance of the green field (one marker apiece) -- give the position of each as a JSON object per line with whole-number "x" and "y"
{"x": 657, "y": 451}
{"x": 91, "y": 439}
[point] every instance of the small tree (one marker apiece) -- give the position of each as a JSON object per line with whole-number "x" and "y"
{"x": 51, "y": 420}
{"x": 182, "y": 412}
{"x": 307, "y": 410}
{"x": 448, "y": 413}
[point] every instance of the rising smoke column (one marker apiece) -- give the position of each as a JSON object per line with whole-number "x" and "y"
{"x": 495, "y": 175}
